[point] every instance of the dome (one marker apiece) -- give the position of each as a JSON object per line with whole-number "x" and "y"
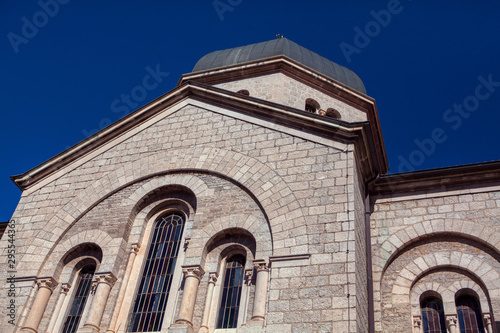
{"x": 280, "y": 47}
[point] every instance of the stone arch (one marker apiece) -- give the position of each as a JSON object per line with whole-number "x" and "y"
{"x": 422, "y": 265}
{"x": 259, "y": 179}
{"x": 249, "y": 224}
{"x": 463, "y": 228}
{"x": 447, "y": 293}
{"x": 189, "y": 185}
{"x": 195, "y": 184}
{"x": 98, "y": 237}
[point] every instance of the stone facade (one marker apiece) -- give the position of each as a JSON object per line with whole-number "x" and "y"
{"x": 328, "y": 244}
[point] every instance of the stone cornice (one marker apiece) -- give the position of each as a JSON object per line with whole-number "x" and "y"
{"x": 360, "y": 132}
{"x": 434, "y": 180}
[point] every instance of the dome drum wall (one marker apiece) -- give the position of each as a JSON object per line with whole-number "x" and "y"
{"x": 283, "y": 89}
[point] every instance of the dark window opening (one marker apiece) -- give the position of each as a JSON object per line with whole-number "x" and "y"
{"x": 152, "y": 295}
{"x": 469, "y": 315}
{"x": 310, "y": 108}
{"x": 231, "y": 292}
{"x": 82, "y": 293}
{"x": 332, "y": 113}
{"x": 244, "y": 92}
{"x": 311, "y": 105}
{"x": 433, "y": 316}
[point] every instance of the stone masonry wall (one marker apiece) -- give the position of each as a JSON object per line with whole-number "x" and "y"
{"x": 282, "y": 89}
{"x": 300, "y": 186}
{"x": 413, "y": 236}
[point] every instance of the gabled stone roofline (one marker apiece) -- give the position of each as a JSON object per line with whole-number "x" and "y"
{"x": 301, "y": 73}
{"x": 475, "y": 175}
{"x": 318, "y": 125}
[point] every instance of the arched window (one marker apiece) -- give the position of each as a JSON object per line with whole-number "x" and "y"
{"x": 469, "y": 315}
{"x": 332, "y": 113}
{"x": 433, "y": 315}
{"x": 311, "y": 105}
{"x": 80, "y": 298}
{"x": 152, "y": 294}
{"x": 231, "y": 292}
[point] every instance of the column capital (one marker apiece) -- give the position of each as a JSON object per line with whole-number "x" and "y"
{"x": 417, "y": 321}
{"x": 260, "y": 265}
{"x": 487, "y": 318}
{"x": 451, "y": 319}
{"x": 193, "y": 271}
{"x": 65, "y": 287}
{"x": 46, "y": 282}
{"x": 248, "y": 275}
{"x": 135, "y": 248}
{"x": 104, "y": 277}
{"x": 212, "y": 277}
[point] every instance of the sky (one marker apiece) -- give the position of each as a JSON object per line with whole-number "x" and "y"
{"x": 432, "y": 67}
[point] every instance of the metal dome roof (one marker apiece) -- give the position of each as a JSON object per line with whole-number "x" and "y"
{"x": 280, "y": 47}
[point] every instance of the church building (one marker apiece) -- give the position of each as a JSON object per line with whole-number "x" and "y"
{"x": 253, "y": 197}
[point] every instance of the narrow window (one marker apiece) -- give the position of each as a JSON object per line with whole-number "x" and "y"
{"x": 332, "y": 113}
{"x": 311, "y": 105}
{"x": 152, "y": 295}
{"x": 231, "y": 292}
{"x": 82, "y": 292}
{"x": 433, "y": 316}
{"x": 310, "y": 108}
{"x": 469, "y": 315}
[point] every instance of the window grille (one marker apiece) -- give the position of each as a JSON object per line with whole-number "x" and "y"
{"x": 79, "y": 300}
{"x": 469, "y": 315}
{"x": 433, "y": 316}
{"x": 231, "y": 292}
{"x": 152, "y": 295}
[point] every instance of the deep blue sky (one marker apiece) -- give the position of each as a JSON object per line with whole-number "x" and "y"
{"x": 59, "y": 86}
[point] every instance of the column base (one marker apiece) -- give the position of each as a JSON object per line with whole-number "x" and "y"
{"x": 180, "y": 328}
{"x": 252, "y": 327}
{"x": 28, "y": 330}
{"x": 258, "y": 321}
{"x": 88, "y": 329}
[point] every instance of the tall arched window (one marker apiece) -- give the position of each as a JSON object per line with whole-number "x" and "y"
{"x": 80, "y": 298}
{"x": 433, "y": 315}
{"x": 469, "y": 315}
{"x": 231, "y": 292}
{"x": 154, "y": 288}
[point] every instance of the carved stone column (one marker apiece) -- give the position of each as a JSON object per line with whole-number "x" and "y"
{"x": 260, "y": 299}
{"x": 417, "y": 324}
{"x": 56, "y": 316}
{"x": 487, "y": 323}
{"x": 103, "y": 282}
{"x": 45, "y": 288}
{"x": 451, "y": 322}
{"x": 192, "y": 277}
{"x": 126, "y": 276}
{"x": 212, "y": 279}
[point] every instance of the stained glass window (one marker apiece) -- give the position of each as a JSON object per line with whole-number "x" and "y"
{"x": 469, "y": 315}
{"x": 433, "y": 316}
{"x": 152, "y": 295}
{"x": 231, "y": 292}
{"x": 82, "y": 292}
